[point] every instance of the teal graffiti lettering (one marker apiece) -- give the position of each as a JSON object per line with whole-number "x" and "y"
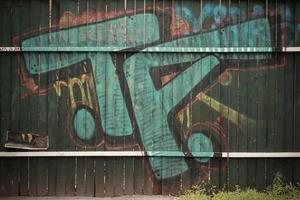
{"x": 114, "y": 115}
{"x": 152, "y": 106}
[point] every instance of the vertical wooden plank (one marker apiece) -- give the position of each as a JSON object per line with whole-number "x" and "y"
{"x": 23, "y": 19}
{"x": 279, "y": 117}
{"x": 148, "y": 175}
{"x": 33, "y": 121}
{"x": 138, "y": 175}
{"x": 90, "y": 177}
{"x": 219, "y": 93}
{"x": 233, "y": 133}
{"x": 100, "y": 167}
{"x": 296, "y": 113}
{"x": 2, "y": 177}
{"x": 6, "y": 178}
{"x": 109, "y": 177}
{"x": 90, "y": 162}
{"x": 85, "y": 177}
{"x": 187, "y": 116}
{"x": 191, "y": 115}
{"x": 269, "y": 101}
{"x": 129, "y": 167}
{"x": 128, "y": 184}
{"x": 33, "y": 162}
{"x": 262, "y": 121}
{"x": 14, "y": 163}
{"x": 282, "y": 101}
{"x": 100, "y": 162}
{"x": 9, "y": 176}
{"x": 119, "y": 141}
{"x": 118, "y": 176}
{"x": 291, "y": 79}
{"x": 38, "y": 168}
{"x": 32, "y": 172}
{"x": 129, "y": 6}
{"x": 99, "y": 178}
{"x": 272, "y": 166}
{"x": 166, "y": 182}
{"x": 16, "y": 90}
{"x": 224, "y": 164}
{"x": 65, "y": 180}
{"x": 52, "y": 113}
{"x": 153, "y": 183}
{"x": 66, "y": 169}
{"x": 251, "y": 107}
{"x": 230, "y": 98}
{"x": 271, "y": 104}
{"x": 297, "y": 20}
{"x": 286, "y": 98}
{"x": 80, "y": 178}
{"x": 10, "y": 166}
{"x": 100, "y": 170}
{"x": 225, "y": 123}
{"x": 139, "y": 162}
{"x": 53, "y": 133}
{"x": 296, "y": 92}
{"x": 65, "y": 173}
{"x": 23, "y": 177}
{"x": 157, "y": 183}
{"x": 128, "y": 161}
{"x": 110, "y": 162}
{"x": 233, "y": 138}
{"x": 4, "y": 185}
{"x": 251, "y": 94}
{"x": 172, "y": 185}
{"x": 242, "y": 91}
{"x": 85, "y": 165}
{"x": 1, "y": 57}
{"x": 261, "y": 132}
{"x": 65, "y": 176}
{"x": 192, "y": 175}
{"x": 114, "y": 165}
{"x": 42, "y": 163}
{"x": 287, "y": 93}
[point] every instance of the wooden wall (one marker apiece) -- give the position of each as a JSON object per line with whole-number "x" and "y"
{"x": 162, "y": 75}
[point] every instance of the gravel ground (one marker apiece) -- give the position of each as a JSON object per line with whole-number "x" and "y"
{"x": 134, "y": 197}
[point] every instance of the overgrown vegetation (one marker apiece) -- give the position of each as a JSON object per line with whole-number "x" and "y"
{"x": 278, "y": 190}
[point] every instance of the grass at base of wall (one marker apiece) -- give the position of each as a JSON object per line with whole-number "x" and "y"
{"x": 277, "y": 191}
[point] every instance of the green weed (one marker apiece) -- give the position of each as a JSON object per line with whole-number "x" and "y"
{"x": 278, "y": 190}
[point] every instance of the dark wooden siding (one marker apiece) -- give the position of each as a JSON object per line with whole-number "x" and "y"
{"x": 149, "y": 76}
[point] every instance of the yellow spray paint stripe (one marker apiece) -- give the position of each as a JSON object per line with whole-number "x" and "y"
{"x": 229, "y": 113}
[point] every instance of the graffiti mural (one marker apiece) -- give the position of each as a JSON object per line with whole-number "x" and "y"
{"x": 163, "y": 77}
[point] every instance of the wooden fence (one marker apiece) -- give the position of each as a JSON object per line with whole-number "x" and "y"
{"x": 108, "y": 98}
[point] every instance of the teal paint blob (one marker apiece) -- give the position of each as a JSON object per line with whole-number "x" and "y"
{"x": 115, "y": 119}
{"x": 84, "y": 124}
{"x": 200, "y": 145}
{"x": 151, "y": 106}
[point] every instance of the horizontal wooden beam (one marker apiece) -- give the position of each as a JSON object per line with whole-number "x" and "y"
{"x": 261, "y": 155}
{"x": 150, "y": 154}
{"x": 154, "y": 49}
